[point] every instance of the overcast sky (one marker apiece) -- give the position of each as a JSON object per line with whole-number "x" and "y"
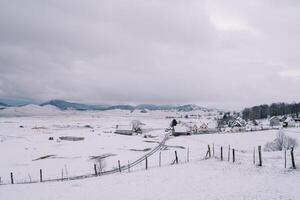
{"x": 222, "y": 53}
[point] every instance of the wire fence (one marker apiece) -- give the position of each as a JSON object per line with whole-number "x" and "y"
{"x": 120, "y": 168}
{"x": 218, "y": 152}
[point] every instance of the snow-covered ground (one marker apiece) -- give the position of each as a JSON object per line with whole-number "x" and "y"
{"x": 208, "y": 179}
{"x": 25, "y": 139}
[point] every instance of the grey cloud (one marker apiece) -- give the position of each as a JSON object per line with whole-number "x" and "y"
{"x": 223, "y": 52}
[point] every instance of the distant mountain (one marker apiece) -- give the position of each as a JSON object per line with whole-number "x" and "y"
{"x": 190, "y": 107}
{"x": 65, "y": 105}
{"x": 29, "y": 110}
{"x": 120, "y": 107}
{"x": 15, "y": 101}
{"x": 154, "y": 107}
{"x": 3, "y": 105}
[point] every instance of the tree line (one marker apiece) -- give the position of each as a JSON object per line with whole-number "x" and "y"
{"x": 275, "y": 109}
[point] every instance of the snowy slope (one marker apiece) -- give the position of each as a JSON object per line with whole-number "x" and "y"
{"x": 29, "y": 110}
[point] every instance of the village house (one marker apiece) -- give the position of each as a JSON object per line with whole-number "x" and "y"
{"x": 253, "y": 125}
{"x": 274, "y": 121}
{"x": 202, "y": 128}
{"x": 289, "y": 122}
{"x": 297, "y": 122}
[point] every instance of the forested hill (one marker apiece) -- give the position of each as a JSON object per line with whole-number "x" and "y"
{"x": 275, "y": 109}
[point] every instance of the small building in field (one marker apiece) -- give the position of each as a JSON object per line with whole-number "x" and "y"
{"x": 274, "y": 121}
{"x": 124, "y": 129}
{"x": 181, "y": 129}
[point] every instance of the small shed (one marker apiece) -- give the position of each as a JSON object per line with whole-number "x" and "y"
{"x": 180, "y": 129}
{"x": 124, "y": 129}
{"x": 274, "y": 121}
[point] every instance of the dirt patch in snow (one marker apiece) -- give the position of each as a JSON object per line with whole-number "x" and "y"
{"x": 71, "y": 138}
{"x": 44, "y": 157}
{"x": 102, "y": 156}
{"x": 141, "y": 150}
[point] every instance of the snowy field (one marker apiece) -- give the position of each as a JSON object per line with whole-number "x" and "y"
{"x": 23, "y": 140}
{"x": 26, "y": 139}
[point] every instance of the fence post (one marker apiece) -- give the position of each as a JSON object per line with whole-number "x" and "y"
{"x": 11, "y": 178}
{"x": 221, "y": 153}
{"x": 159, "y": 159}
{"x": 228, "y": 153}
{"x": 213, "y": 150}
{"x": 188, "y": 155}
{"x": 128, "y": 166}
{"x": 41, "y": 175}
{"x": 285, "y": 158}
{"x": 292, "y": 157}
{"x": 119, "y": 165}
{"x": 176, "y": 157}
{"x": 254, "y": 155}
{"x": 67, "y": 175}
{"x": 146, "y": 162}
{"x": 95, "y": 169}
{"x": 62, "y": 174}
{"x": 208, "y": 152}
{"x": 233, "y": 155}
{"x": 30, "y": 180}
{"x": 259, "y": 156}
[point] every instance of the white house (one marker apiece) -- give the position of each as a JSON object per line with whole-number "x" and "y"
{"x": 289, "y": 122}
{"x": 274, "y": 121}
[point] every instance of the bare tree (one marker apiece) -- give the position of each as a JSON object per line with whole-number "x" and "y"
{"x": 281, "y": 142}
{"x": 137, "y": 126}
{"x": 101, "y": 164}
